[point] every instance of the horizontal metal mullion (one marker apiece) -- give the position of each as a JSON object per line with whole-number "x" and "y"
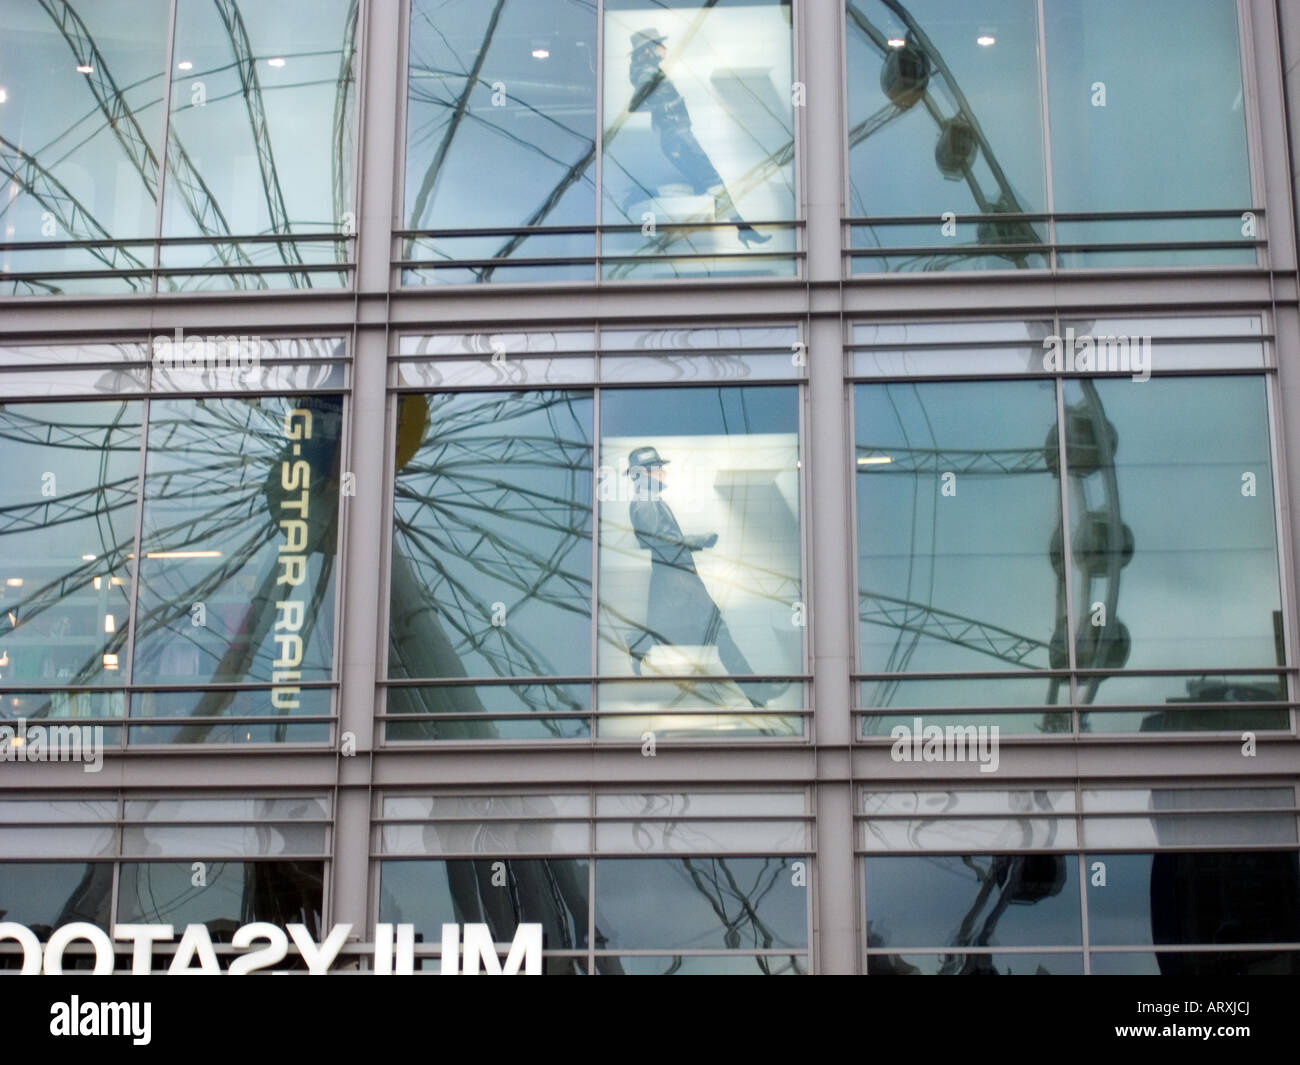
{"x": 1065, "y": 216}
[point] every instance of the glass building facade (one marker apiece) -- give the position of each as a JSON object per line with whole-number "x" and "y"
{"x": 754, "y": 486}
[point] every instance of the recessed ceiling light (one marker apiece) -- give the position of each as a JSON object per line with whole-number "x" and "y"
{"x": 276, "y": 62}
{"x": 896, "y": 42}
{"x": 184, "y": 64}
{"x": 3, "y": 96}
{"x": 85, "y": 68}
{"x": 986, "y": 40}
{"x": 541, "y": 53}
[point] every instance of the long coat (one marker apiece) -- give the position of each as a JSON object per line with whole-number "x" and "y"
{"x": 680, "y": 610}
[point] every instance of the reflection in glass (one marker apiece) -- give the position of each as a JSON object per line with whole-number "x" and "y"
{"x": 233, "y": 894}
{"x": 957, "y": 508}
{"x": 1197, "y": 963}
{"x": 1176, "y": 539}
{"x": 261, "y": 137}
{"x": 1168, "y": 134}
{"x": 501, "y": 133}
{"x": 975, "y": 964}
{"x": 940, "y": 122}
{"x": 711, "y": 903}
{"x": 67, "y": 522}
{"x": 698, "y": 129}
{"x": 1186, "y": 899}
{"x": 434, "y": 712}
{"x": 46, "y": 895}
{"x": 500, "y": 894}
{"x": 81, "y": 146}
{"x": 240, "y": 520}
{"x": 705, "y": 964}
{"x": 491, "y": 550}
{"x": 1007, "y": 900}
{"x": 699, "y": 550}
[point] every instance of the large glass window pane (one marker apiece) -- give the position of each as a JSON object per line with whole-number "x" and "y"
{"x": 701, "y": 903}
{"x": 80, "y": 139}
{"x": 239, "y": 536}
{"x": 698, "y": 129}
{"x": 500, "y": 894}
{"x": 944, "y": 116}
{"x": 1173, "y": 541}
{"x": 958, "y": 507}
{"x": 67, "y": 500}
{"x": 700, "y": 568}
{"x": 491, "y": 563}
{"x": 45, "y": 895}
{"x": 261, "y": 138}
{"x": 1009, "y": 900}
{"x": 1187, "y": 899}
{"x": 1147, "y": 114}
{"x": 501, "y": 134}
{"x": 230, "y": 894}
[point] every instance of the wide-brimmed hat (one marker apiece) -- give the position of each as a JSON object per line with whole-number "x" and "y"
{"x": 644, "y": 37}
{"x": 645, "y": 456}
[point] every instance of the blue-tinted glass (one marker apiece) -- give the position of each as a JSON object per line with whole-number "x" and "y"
{"x": 944, "y": 116}
{"x": 261, "y": 137}
{"x": 1188, "y": 898}
{"x": 45, "y": 895}
{"x": 1008, "y": 900}
{"x": 239, "y": 538}
{"x": 698, "y": 129}
{"x": 501, "y": 133}
{"x": 731, "y": 903}
{"x": 500, "y": 894}
{"x": 69, "y": 499}
{"x": 1147, "y": 114}
{"x": 82, "y": 145}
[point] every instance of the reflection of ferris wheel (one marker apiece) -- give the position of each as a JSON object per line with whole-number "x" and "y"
{"x": 33, "y": 173}
{"x": 1101, "y": 545}
{"x": 458, "y": 480}
{"x": 912, "y": 65}
{"x": 242, "y": 486}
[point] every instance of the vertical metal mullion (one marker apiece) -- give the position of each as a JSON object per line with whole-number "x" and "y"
{"x": 162, "y": 154}
{"x": 591, "y": 882}
{"x": 1066, "y": 558}
{"x": 146, "y": 404}
{"x": 597, "y": 236}
{"x": 1045, "y": 120}
{"x": 593, "y": 729}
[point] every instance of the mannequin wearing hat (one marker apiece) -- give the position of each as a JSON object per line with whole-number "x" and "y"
{"x": 670, "y": 119}
{"x": 680, "y": 610}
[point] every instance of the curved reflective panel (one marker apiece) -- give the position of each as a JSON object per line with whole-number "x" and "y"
{"x": 67, "y": 526}
{"x": 501, "y": 133}
{"x": 698, "y": 137}
{"x": 238, "y": 538}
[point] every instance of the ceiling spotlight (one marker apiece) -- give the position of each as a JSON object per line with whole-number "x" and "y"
{"x": 278, "y": 61}
{"x": 896, "y": 42}
{"x": 986, "y": 40}
{"x": 184, "y": 64}
{"x": 4, "y": 95}
{"x": 85, "y": 68}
